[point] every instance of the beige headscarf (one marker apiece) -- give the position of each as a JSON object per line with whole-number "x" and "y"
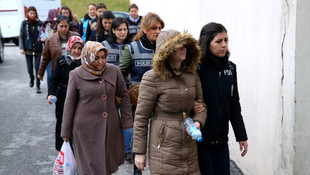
{"x": 89, "y": 53}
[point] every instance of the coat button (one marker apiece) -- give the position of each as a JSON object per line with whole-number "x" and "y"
{"x": 186, "y": 89}
{"x": 101, "y": 80}
{"x": 104, "y": 97}
{"x": 104, "y": 115}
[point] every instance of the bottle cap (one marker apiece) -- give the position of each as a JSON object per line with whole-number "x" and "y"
{"x": 199, "y": 139}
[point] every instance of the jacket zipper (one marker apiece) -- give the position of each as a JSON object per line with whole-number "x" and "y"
{"x": 161, "y": 135}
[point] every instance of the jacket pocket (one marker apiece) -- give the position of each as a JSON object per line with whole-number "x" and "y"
{"x": 161, "y": 135}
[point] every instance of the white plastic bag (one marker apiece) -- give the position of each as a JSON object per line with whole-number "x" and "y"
{"x": 65, "y": 162}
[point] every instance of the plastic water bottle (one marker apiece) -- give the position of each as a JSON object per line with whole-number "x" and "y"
{"x": 53, "y": 99}
{"x": 191, "y": 126}
{"x": 42, "y": 36}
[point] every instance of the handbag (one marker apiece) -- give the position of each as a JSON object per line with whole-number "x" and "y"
{"x": 65, "y": 163}
{"x": 133, "y": 94}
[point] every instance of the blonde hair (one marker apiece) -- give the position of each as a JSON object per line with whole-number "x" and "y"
{"x": 148, "y": 21}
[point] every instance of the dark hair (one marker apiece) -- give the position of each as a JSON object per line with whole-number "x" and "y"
{"x": 107, "y": 14}
{"x": 133, "y": 6}
{"x": 115, "y": 24}
{"x": 32, "y": 8}
{"x": 207, "y": 34}
{"x": 148, "y": 21}
{"x": 71, "y": 17}
{"x": 61, "y": 18}
{"x": 91, "y": 4}
{"x": 101, "y": 5}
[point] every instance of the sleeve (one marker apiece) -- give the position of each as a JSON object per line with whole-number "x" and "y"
{"x": 125, "y": 63}
{"x": 235, "y": 112}
{"x": 46, "y": 57}
{"x": 70, "y": 107}
{"x": 202, "y": 116}
{"x": 81, "y": 27}
{"x": 54, "y": 81}
{"x": 125, "y": 106}
{"x": 21, "y": 36}
{"x": 146, "y": 101}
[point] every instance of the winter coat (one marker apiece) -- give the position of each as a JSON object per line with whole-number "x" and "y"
{"x": 219, "y": 83}
{"x": 91, "y": 118}
{"x": 163, "y": 96}
{"x": 28, "y": 37}
{"x": 52, "y": 50}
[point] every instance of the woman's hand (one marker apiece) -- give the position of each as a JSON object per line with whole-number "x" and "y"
{"x": 41, "y": 78}
{"x": 140, "y": 161}
{"x": 197, "y": 126}
{"x": 49, "y": 99}
{"x": 243, "y": 147}
{"x": 66, "y": 139}
{"x": 198, "y": 107}
{"x": 118, "y": 100}
{"x": 21, "y": 51}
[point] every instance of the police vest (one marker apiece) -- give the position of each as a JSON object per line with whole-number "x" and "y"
{"x": 141, "y": 60}
{"x": 115, "y": 52}
{"x": 133, "y": 29}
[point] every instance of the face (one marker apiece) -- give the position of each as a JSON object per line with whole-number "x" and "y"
{"x": 65, "y": 12}
{"x": 179, "y": 55}
{"x": 32, "y": 14}
{"x": 99, "y": 12}
{"x": 120, "y": 32}
{"x": 63, "y": 28}
{"x": 92, "y": 10}
{"x": 76, "y": 50}
{"x": 153, "y": 32}
{"x": 219, "y": 44}
{"x": 100, "y": 60}
{"x": 106, "y": 23}
{"x": 133, "y": 13}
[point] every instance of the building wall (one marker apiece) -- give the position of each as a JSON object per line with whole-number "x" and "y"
{"x": 267, "y": 45}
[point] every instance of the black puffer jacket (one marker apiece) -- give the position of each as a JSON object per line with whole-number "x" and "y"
{"x": 219, "y": 83}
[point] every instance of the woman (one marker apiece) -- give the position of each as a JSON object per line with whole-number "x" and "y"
{"x": 166, "y": 92}
{"x": 84, "y": 28}
{"x": 48, "y": 25}
{"x": 137, "y": 55}
{"x": 55, "y": 45}
{"x": 219, "y": 83}
{"x": 74, "y": 23}
{"x": 116, "y": 40}
{"x": 29, "y": 46}
{"x": 91, "y": 115}
{"x": 104, "y": 26}
{"x": 100, "y": 8}
{"x": 134, "y": 20}
{"x": 59, "y": 81}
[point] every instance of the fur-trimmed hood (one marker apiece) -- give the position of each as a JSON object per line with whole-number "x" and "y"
{"x": 166, "y": 43}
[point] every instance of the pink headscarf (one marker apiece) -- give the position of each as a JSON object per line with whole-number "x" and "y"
{"x": 89, "y": 53}
{"x": 72, "y": 40}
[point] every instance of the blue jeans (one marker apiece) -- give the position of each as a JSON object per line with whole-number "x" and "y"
{"x": 49, "y": 72}
{"x": 128, "y": 139}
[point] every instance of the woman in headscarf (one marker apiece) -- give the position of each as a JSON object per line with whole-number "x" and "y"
{"x": 91, "y": 115}
{"x": 59, "y": 81}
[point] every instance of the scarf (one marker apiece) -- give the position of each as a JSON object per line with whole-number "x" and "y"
{"x": 89, "y": 53}
{"x": 72, "y": 40}
{"x": 32, "y": 21}
{"x": 134, "y": 20}
{"x": 146, "y": 43}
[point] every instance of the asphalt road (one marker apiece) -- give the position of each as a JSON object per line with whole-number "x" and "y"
{"x": 27, "y": 123}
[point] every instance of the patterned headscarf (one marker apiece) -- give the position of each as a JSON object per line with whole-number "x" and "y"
{"x": 89, "y": 53}
{"x": 72, "y": 40}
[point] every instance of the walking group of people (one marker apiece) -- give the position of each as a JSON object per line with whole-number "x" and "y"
{"x": 122, "y": 87}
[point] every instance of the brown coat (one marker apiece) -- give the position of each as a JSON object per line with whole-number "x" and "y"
{"x": 52, "y": 50}
{"x": 91, "y": 118}
{"x": 163, "y": 97}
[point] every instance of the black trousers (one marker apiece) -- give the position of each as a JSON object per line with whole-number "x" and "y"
{"x": 29, "y": 62}
{"x": 214, "y": 160}
{"x": 59, "y": 111}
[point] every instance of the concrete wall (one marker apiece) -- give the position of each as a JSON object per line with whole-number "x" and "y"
{"x": 262, "y": 40}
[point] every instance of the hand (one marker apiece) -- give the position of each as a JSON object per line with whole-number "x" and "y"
{"x": 198, "y": 107}
{"x": 140, "y": 161}
{"x": 66, "y": 139}
{"x": 41, "y": 78}
{"x": 21, "y": 51}
{"x": 118, "y": 100}
{"x": 42, "y": 40}
{"x": 243, "y": 147}
{"x": 49, "y": 99}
